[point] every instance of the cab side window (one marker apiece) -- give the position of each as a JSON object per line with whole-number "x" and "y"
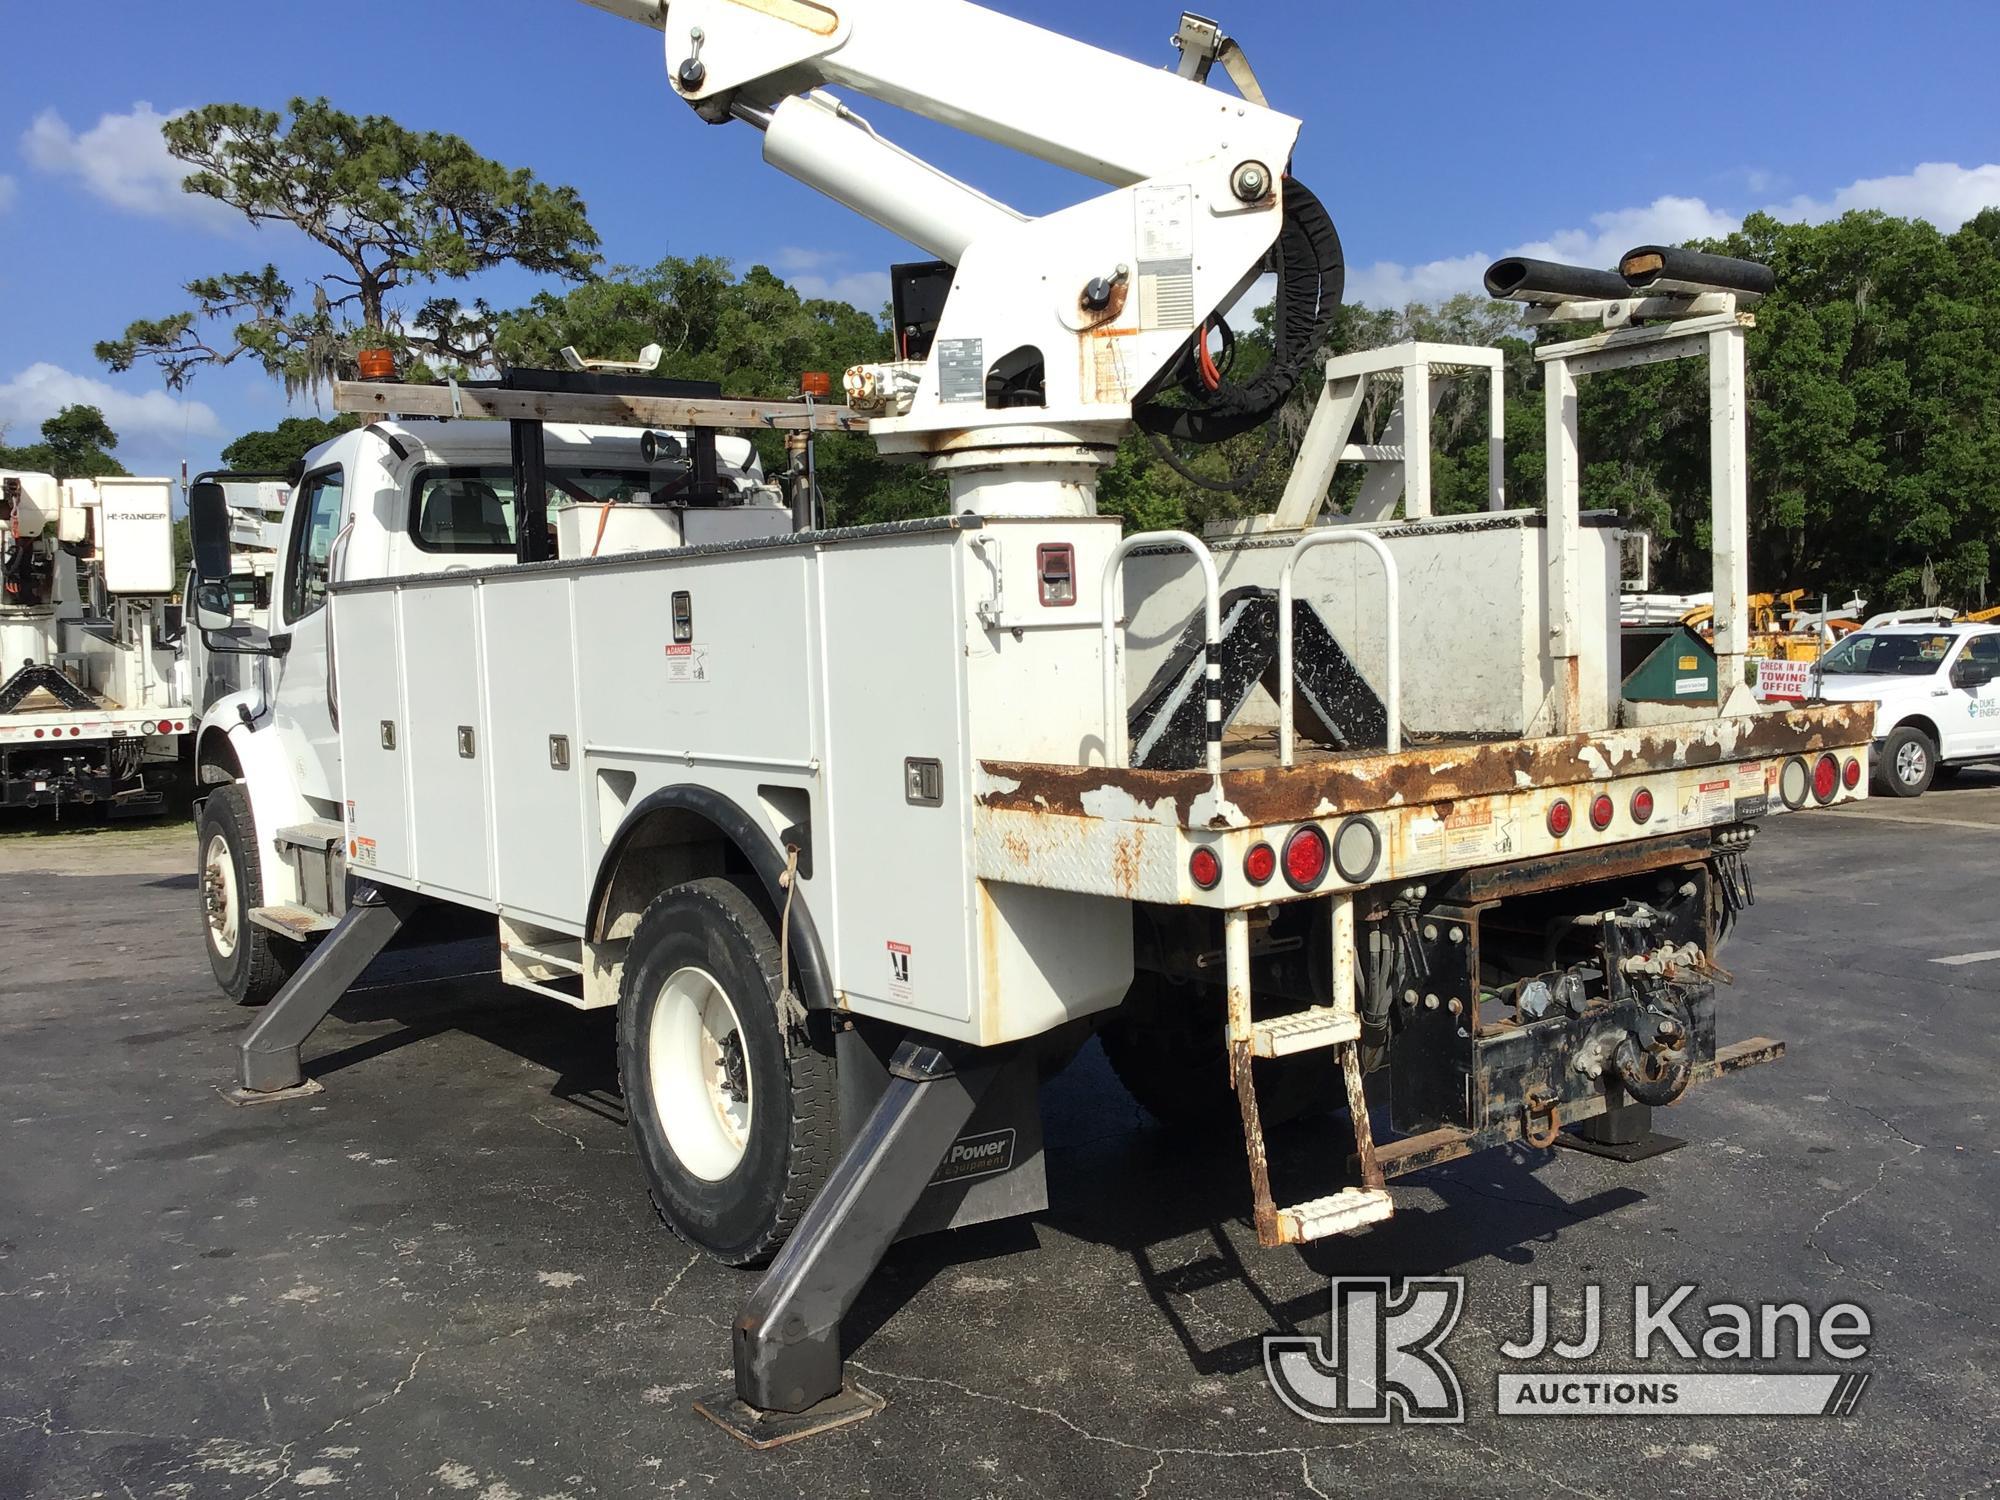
{"x": 317, "y": 523}
{"x": 1984, "y": 648}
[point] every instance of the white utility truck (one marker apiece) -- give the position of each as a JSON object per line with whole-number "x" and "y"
{"x": 1935, "y": 691}
{"x": 93, "y": 699}
{"x": 861, "y": 829}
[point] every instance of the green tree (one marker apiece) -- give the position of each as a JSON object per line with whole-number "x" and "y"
{"x": 1874, "y": 416}
{"x": 396, "y": 209}
{"x": 76, "y": 444}
{"x": 274, "y": 450}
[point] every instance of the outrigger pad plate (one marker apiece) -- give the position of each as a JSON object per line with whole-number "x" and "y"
{"x": 1648, "y": 1146}
{"x": 773, "y": 1429}
{"x": 242, "y": 1097}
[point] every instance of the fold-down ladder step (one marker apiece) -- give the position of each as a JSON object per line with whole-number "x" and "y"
{"x": 1337, "y": 1213}
{"x": 1303, "y": 1030}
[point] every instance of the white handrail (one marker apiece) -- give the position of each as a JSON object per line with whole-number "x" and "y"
{"x": 1392, "y": 631}
{"x": 1116, "y": 738}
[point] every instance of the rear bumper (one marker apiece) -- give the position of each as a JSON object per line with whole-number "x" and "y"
{"x": 1129, "y": 834}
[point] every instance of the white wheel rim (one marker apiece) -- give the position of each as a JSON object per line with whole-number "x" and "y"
{"x": 1910, "y": 763}
{"x": 218, "y": 894}
{"x": 699, "y": 1074}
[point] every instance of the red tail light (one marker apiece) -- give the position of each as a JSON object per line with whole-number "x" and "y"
{"x": 1826, "y": 778}
{"x": 1642, "y": 806}
{"x": 1559, "y": 818}
{"x": 1850, "y": 774}
{"x": 1204, "y": 869}
{"x": 166, "y": 726}
{"x": 1601, "y": 811}
{"x": 1260, "y": 864}
{"x": 1306, "y": 854}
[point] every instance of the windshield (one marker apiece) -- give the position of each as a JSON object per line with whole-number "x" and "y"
{"x": 1870, "y": 655}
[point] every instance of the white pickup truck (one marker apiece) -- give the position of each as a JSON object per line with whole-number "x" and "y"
{"x": 1936, "y": 690}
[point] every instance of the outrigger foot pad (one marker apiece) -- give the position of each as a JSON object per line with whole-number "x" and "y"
{"x": 1646, "y": 1147}
{"x": 773, "y": 1429}
{"x": 241, "y": 1097}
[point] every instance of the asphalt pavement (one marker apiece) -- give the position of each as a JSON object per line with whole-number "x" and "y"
{"x": 441, "y": 1277}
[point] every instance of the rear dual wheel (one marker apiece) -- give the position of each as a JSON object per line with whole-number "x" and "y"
{"x": 733, "y": 1113}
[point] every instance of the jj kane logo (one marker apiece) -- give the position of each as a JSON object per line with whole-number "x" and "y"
{"x": 1383, "y": 1358}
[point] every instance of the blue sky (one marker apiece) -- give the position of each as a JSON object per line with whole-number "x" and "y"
{"x": 1438, "y": 134}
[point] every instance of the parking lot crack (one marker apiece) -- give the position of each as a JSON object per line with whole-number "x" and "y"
{"x": 1159, "y": 1455}
{"x": 1550, "y": 1480}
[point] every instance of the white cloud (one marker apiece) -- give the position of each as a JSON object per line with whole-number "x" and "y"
{"x": 8, "y": 190}
{"x": 1944, "y": 193}
{"x": 42, "y": 390}
{"x": 1941, "y": 191}
{"x": 867, "y": 290}
{"x": 123, "y": 160}
{"x": 1387, "y": 284}
{"x": 797, "y": 258}
{"x": 1664, "y": 221}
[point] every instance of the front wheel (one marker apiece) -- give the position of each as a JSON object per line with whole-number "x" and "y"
{"x": 733, "y": 1116}
{"x": 251, "y": 963}
{"x": 1907, "y": 763}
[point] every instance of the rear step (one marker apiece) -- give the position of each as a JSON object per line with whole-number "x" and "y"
{"x": 1302, "y": 1031}
{"x": 1338, "y": 1213}
{"x": 1336, "y": 1026}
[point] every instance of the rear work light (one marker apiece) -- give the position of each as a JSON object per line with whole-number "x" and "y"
{"x": 1559, "y": 817}
{"x": 1260, "y": 864}
{"x": 1642, "y": 806}
{"x": 1204, "y": 869}
{"x": 1850, "y": 774}
{"x": 1601, "y": 811}
{"x": 1357, "y": 849}
{"x": 1825, "y": 778}
{"x": 1306, "y": 853}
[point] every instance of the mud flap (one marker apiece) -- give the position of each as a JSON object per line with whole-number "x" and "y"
{"x": 992, "y": 1170}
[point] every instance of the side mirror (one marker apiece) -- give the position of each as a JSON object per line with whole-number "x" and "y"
{"x": 1972, "y": 674}
{"x": 208, "y": 529}
{"x": 212, "y": 605}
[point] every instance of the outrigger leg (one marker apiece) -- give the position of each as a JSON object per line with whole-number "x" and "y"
{"x": 789, "y": 1382}
{"x": 268, "y": 1066}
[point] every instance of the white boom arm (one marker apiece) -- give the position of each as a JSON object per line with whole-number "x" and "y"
{"x": 1194, "y": 209}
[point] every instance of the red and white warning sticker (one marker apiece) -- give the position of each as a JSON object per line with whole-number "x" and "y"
{"x": 899, "y": 971}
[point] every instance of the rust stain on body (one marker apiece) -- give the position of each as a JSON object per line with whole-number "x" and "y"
{"x": 1442, "y": 773}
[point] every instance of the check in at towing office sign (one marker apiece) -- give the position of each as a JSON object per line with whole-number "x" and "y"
{"x": 1384, "y": 1357}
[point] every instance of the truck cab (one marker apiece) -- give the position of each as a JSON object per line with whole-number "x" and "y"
{"x": 392, "y": 499}
{"x": 1936, "y": 691}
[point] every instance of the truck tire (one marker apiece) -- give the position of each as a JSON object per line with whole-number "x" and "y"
{"x": 1169, "y": 1046}
{"x": 735, "y": 1119}
{"x": 1907, "y": 763}
{"x": 251, "y": 963}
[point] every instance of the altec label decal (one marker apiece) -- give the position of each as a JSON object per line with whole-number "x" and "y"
{"x": 982, "y": 1155}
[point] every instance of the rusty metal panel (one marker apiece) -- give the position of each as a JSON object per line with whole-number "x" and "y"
{"x": 1448, "y": 773}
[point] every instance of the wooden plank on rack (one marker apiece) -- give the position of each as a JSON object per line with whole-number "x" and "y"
{"x": 383, "y": 399}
